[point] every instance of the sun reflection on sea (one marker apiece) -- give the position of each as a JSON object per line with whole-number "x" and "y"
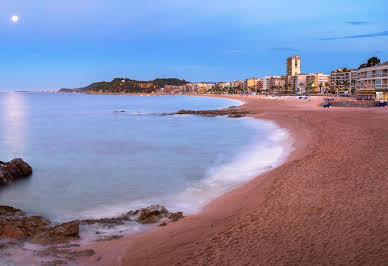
{"x": 13, "y": 110}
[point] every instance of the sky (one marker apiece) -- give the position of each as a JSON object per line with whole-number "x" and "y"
{"x": 72, "y": 43}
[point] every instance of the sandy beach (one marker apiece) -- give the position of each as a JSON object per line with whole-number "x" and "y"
{"x": 327, "y": 204}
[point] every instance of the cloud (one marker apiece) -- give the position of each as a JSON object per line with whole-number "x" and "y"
{"x": 357, "y": 23}
{"x": 285, "y": 49}
{"x": 368, "y": 35}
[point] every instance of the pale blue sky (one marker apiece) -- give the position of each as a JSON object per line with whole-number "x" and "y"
{"x": 71, "y": 43}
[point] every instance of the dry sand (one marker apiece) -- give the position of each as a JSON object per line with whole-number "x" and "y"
{"x": 328, "y": 204}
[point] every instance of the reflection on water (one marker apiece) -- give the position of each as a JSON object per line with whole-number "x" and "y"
{"x": 14, "y": 119}
{"x": 91, "y": 162}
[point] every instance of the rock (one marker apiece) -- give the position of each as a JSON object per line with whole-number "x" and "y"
{"x": 163, "y": 224}
{"x": 151, "y": 214}
{"x": 230, "y": 112}
{"x": 175, "y": 216}
{"x": 23, "y": 168}
{"x": 109, "y": 222}
{"x": 56, "y": 251}
{"x": 14, "y": 224}
{"x": 66, "y": 230}
{"x": 10, "y": 211}
{"x": 17, "y": 168}
{"x": 12, "y": 231}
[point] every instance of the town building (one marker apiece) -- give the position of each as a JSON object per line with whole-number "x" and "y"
{"x": 293, "y": 66}
{"x": 372, "y": 82}
{"x": 251, "y": 83}
{"x": 276, "y": 84}
{"x": 342, "y": 79}
{"x": 317, "y": 82}
{"x": 298, "y": 83}
{"x": 266, "y": 83}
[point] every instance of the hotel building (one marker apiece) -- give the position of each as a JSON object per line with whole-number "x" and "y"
{"x": 343, "y": 77}
{"x": 266, "y": 83}
{"x": 318, "y": 81}
{"x": 298, "y": 83}
{"x": 293, "y": 65}
{"x": 251, "y": 83}
{"x": 372, "y": 82}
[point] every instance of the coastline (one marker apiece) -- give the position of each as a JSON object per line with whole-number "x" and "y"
{"x": 311, "y": 209}
{"x": 300, "y": 139}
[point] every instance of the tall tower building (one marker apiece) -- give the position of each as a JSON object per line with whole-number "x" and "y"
{"x": 293, "y": 65}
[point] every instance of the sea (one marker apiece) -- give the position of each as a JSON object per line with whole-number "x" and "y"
{"x": 99, "y": 156}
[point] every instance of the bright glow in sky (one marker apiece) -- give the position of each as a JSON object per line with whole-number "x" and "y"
{"x": 71, "y": 43}
{"x": 15, "y": 19}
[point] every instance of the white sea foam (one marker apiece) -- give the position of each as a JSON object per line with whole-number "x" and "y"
{"x": 261, "y": 156}
{"x": 267, "y": 152}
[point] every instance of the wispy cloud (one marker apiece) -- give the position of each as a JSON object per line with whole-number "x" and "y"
{"x": 357, "y": 23}
{"x": 368, "y": 35}
{"x": 285, "y": 49}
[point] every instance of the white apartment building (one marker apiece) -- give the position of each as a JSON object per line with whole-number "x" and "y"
{"x": 343, "y": 77}
{"x": 298, "y": 83}
{"x": 372, "y": 82}
{"x": 266, "y": 83}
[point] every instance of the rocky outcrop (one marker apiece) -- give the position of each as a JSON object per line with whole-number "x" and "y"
{"x": 151, "y": 214}
{"x": 232, "y": 112}
{"x": 15, "y": 169}
{"x": 15, "y": 224}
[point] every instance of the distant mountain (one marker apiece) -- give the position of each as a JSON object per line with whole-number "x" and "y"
{"x": 124, "y": 85}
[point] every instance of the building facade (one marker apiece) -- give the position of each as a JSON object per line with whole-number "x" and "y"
{"x": 293, "y": 66}
{"x": 372, "y": 82}
{"x": 342, "y": 79}
{"x": 266, "y": 83}
{"x": 251, "y": 83}
{"x": 318, "y": 82}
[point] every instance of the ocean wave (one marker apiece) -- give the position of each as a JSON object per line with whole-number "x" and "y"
{"x": 260, "y": 157}
{"x": 264, "y": 154}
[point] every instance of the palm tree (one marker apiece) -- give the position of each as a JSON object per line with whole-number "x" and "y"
{"x": 353, "y": 85}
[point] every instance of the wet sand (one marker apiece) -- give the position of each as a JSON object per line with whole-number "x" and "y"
{"x": 327, "y": 204}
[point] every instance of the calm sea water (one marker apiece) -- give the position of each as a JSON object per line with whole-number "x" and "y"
{"x": 90, "y": 161}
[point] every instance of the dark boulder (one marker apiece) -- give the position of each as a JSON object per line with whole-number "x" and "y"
{"x": 15, "y": 169}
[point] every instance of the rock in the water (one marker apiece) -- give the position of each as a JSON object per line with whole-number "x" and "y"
{"x": 66, "y": 230}
{"x": 230, "y": 112}
{"x": 17, "y": 168}
{"x": 151, "y": 214}
{"x": 14, "y": 224}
